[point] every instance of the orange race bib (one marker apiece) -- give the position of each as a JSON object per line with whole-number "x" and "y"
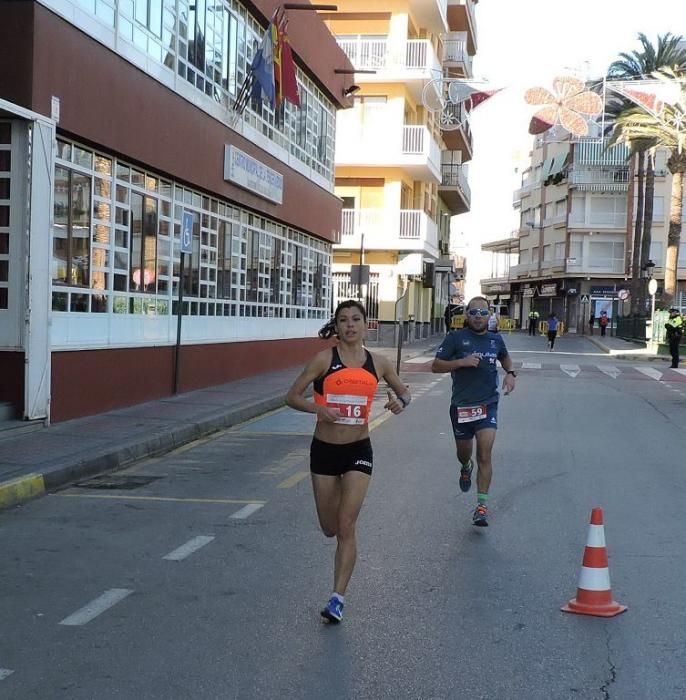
{"x": 470, "y": 414}
{"x": 354, "y": 408}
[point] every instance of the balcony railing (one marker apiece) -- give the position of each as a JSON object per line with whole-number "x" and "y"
{"x": 593, "y": 265}
{"x": 605, "y": 179}
{"x": 389, "y": 229}
{"x": 384, "y": 55}
{"x": 596, "y": 152}
{"x": 453, "y": 176}
{"x": 377, "y": 142}
{"x": 609, "y": 220}
{"x": 455, "y": 50}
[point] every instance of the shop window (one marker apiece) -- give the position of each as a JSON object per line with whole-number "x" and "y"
{"x": 72, "y": 228}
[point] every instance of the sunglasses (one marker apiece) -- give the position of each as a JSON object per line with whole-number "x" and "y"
{"x": 478, "y": 312}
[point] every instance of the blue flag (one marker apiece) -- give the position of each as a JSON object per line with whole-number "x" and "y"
{"x": 262, "y": 69}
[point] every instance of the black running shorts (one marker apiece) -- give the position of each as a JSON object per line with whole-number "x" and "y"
{"x": 329, "y": 459}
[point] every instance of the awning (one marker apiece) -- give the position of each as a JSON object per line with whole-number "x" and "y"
{"x": 558, "y": 163}
{"x": 547, "y": 164}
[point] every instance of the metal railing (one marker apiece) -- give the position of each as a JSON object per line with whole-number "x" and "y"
{"x": 599, "y": 179}
{"x": 453, "y": 176}
{"x": 383, "y": 54}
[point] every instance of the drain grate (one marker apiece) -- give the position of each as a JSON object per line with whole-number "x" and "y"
{"x": 110, "y": 481}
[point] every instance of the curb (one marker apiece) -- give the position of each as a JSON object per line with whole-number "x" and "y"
{"x": 25, "y": 488}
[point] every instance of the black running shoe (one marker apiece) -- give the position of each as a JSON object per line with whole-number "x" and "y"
{"x": 466, "y": 476}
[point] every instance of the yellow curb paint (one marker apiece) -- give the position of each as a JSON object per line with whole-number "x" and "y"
{"x": 378, "y": 421}
{"x": 292, "y": 480}
{"x": 21, "y": 489}
{"x": 157, "y": 498}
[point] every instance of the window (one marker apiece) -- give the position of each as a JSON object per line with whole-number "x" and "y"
{"x": 657, "y": 253}
{"x": 143, "y": 244}
{"x": 534, "y": 254}
{"x": 561, "y": 208}
{"x": 559, "y": 251}
{"x": 224, "y": 261}
{"x": 547, "y": 253}
{"x": 71, "y": 231}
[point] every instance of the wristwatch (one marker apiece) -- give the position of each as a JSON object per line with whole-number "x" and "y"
{"x": 512, "y": 372}
{"x": 405, "y": 402}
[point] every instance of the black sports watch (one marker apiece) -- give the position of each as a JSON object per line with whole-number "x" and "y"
{"x": 512, "y": 372}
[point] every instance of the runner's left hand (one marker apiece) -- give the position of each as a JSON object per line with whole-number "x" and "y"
{"x": 394, "y": 405}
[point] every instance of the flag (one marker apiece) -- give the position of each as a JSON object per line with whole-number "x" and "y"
{"x": 277, "y": 45}
{"x": 262, "y": 69}
{"x": 289, "y": 83}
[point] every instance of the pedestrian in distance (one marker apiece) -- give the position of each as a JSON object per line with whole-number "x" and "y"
{"x": 552, "y": 330}
{"x": 470, "y": 355}
{"x": 341, "y": 456}
{"x": 674, "y": 327}
{"x": 603, "y": 321}
{"x": 533, "y": 321}
{"x": 591, "y": 323}
{"x": 493, "y": 321}
{"x": 448, "y": 317}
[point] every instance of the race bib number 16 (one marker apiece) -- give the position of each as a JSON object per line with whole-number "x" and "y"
{"x": 353, "y": 408}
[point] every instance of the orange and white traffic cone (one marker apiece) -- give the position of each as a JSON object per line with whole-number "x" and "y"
{"x": 593, "y": 594}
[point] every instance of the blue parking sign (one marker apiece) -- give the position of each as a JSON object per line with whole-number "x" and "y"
{"x": 187, "y": 232}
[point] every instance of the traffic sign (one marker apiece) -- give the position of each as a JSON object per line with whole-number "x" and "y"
{"x": 623, "y": 294}
{"x": 187, "y": 232}
{"x": 584, "y": 299}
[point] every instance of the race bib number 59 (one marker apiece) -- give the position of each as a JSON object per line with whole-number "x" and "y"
{"x": 353, "y": 408}
{"x": 469, "y": 414}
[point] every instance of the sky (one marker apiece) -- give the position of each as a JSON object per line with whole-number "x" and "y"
{"x": 525, "y": 43}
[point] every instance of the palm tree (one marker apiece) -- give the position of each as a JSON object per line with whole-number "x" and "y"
{"x": 636, "y": 65}
{"x": 666, "y": 131}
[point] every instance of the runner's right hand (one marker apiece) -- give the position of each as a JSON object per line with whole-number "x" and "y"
{"x": 470, "y": 361}
{"x": 328, "y": 414}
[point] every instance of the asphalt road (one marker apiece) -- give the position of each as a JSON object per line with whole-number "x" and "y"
{"x": 200, "y": 574}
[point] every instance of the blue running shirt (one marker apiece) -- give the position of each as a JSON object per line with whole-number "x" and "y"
{"x": 474, "y": 385}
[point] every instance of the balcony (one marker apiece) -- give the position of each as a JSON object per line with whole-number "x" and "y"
{"x": 599, "y": 179}
{"x": 598, "y": 220}
{"x": 412, "y": 62}
{"x": 408, "y": 230}
{"x": 454, "y": 189}
{"x": 378, "y": 144}
{"x": 596, "y": 153}
{"x": 459, "y": 139}
{"x": 461, "y": 18}
{"x": 429, "y": 14}
{"x": 456, "y": 58}
{"x": 596, "y": 266}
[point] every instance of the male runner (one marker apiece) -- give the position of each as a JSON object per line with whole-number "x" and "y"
{"x": 470, "y": 355}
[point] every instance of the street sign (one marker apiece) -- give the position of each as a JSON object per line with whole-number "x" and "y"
{"x": 359, "y": 274}
{"x": 623, "y": 294}
{"x": 652, "y": 287}
{"x": 584, "y": 299}
{"x": 187, "y": 232}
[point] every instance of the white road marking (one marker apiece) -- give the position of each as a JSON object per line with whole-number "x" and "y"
{"x": 185, "y": 550}
{"x": 97, "y": 606}
{"x": 680, "y": 371}
{"x": 650, "y": 372}
{"x": 610, "y": 370}
{"x": 4, "y": 672}
{"x": 531, "y": 365}
{"x": 571, "y": 370}
{"x": 418, "y": 360}
{"x": 247, "y": 511}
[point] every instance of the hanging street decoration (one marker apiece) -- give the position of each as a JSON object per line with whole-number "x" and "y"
{"x": 571, "y": 105}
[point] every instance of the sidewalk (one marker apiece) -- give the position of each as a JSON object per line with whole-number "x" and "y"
{"x": 624, "y": 350}
{"x": 45, "y": 459}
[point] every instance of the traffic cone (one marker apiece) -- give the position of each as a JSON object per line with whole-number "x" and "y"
{"x": 593, "y": 594}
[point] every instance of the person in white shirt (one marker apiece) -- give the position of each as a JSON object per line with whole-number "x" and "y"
{"x": 493, "y": 321}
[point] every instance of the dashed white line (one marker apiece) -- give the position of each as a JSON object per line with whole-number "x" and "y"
{"x": 571, "y": 370}
{"x": 4, "y": 672}
{"x": 185, "y": 550}
{"x": 531, "y": 365}
{"x": 96, "y": 607}
{"x": 680, "y": 371}
{"x": 650, "y": 372}
{"x": 610, "y": 370}
{"x": 247, "y": 511}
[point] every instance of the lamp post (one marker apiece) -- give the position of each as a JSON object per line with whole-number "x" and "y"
{"x": 652, "y": 288}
